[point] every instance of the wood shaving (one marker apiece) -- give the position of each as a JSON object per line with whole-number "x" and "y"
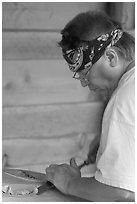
{"x": 5, "y": 189}
{"x": 8, "y": 190}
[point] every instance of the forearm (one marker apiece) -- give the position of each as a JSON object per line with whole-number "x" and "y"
{"x": 90, "y": 189}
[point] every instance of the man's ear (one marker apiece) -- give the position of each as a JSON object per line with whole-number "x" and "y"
{"x": 112, "y": 56}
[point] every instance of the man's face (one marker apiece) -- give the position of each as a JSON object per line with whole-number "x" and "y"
{"x": 94, "y": 76}
{"x": 97, "y": 76}
{"x": 89, "y": 63}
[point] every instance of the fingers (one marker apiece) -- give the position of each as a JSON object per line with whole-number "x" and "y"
{"x": 54, "y": 169}
{"x": 50, "y": 177}
{"x": 50, "y": 171}
{"x": 51, "y": 168}
{"x": 73, "y": 163}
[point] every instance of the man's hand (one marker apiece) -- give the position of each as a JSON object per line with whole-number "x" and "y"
{"x": 62, "y": 175}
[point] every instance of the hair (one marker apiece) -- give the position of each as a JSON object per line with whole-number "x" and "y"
{"x": 91, "y": 24}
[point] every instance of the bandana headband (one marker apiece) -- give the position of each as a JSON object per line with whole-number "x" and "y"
{"x": 90, "y": 52}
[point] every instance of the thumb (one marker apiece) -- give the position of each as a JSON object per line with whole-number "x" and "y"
{"x": 73, "y": 163}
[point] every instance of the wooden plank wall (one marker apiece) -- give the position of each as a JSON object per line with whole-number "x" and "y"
{"x": 123, "y": 12}
{"x": 47, "y": 116}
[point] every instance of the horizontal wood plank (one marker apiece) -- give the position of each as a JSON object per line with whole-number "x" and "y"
{"x": 38, "y": 151}
{"x": 35, "y": 82}
{"x": 43, "y": 15}
{"x": 51, "y": 120}
{"x": 31, "y": 45}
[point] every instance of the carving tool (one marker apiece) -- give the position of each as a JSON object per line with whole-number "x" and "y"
{"x": 85, "y": 163}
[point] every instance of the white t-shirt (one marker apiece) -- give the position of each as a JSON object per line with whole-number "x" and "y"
{"x": 116, "y": 154}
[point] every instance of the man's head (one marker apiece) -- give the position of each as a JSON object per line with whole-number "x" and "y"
{"x": 96, "y": 49}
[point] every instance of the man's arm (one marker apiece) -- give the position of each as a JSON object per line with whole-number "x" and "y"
{"x": 67, "y": 178}
{"x": 91, "y": 189}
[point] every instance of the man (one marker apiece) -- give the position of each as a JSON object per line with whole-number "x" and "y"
{"x": 101, "y": 56}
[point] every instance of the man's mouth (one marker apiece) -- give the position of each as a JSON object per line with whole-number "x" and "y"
{"x": 84, "y": 83}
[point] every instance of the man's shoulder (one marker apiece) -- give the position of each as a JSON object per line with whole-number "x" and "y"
{"x": 121, "y": 106}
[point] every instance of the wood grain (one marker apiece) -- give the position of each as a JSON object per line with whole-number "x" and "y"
{"x": 31, "y": 45}
{"x": 35, "y": 82}
{"x": 51, "y": 120}
{"x": 47, "y": 116}
{"x": 53, "y": 150}
{"x": 43, "y": 15}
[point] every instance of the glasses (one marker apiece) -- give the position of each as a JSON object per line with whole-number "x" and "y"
{"x": 82, "y": 75}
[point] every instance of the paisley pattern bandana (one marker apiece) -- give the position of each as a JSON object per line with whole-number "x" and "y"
{"x": 89, "y": 52}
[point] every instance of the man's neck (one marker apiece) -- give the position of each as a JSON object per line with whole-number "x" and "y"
{"x": 130, "y": 66}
